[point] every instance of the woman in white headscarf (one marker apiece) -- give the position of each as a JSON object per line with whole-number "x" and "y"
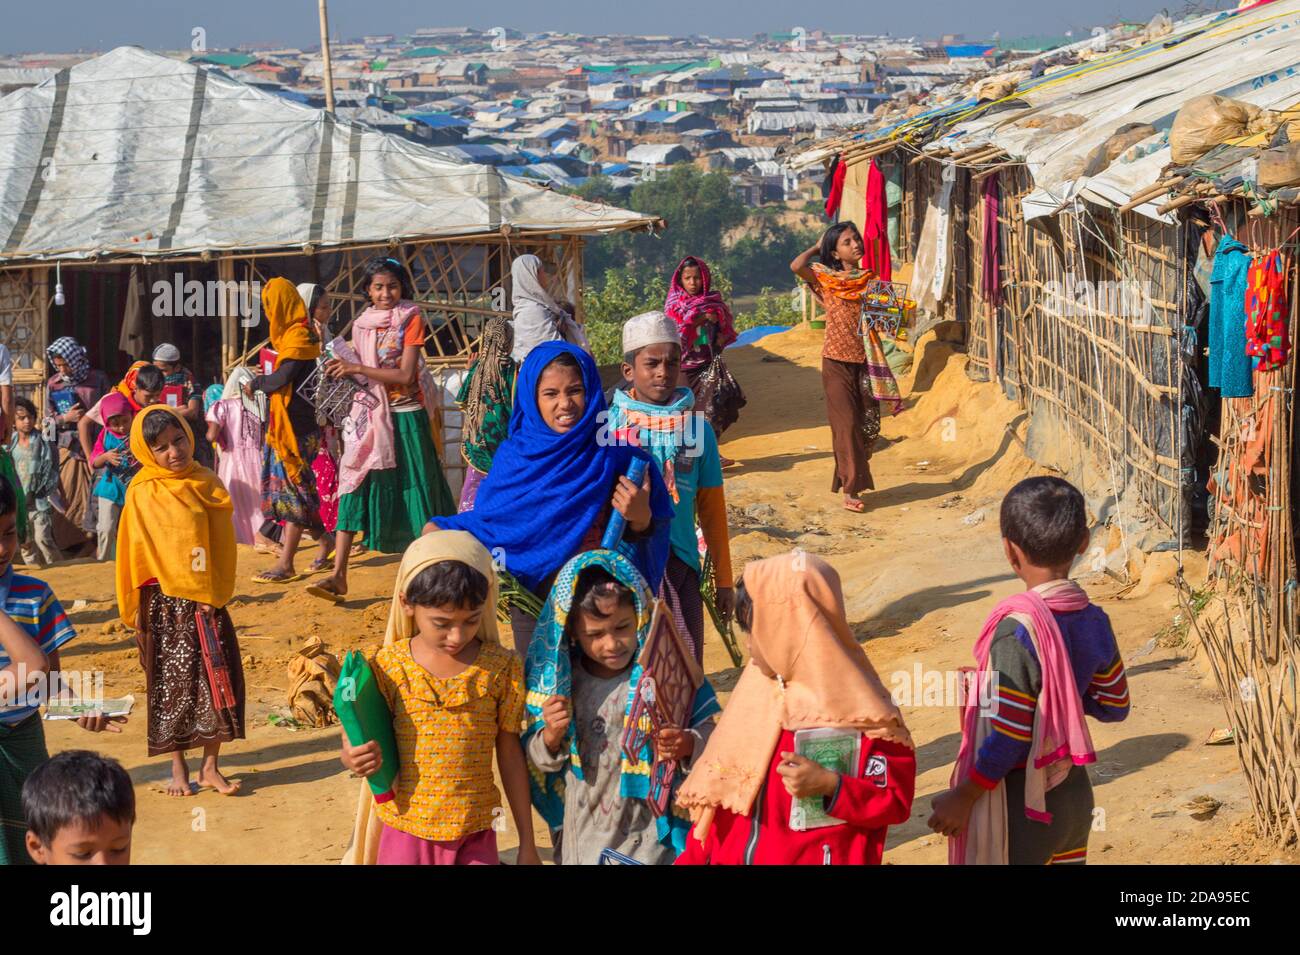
{"x": 537, "y": 316}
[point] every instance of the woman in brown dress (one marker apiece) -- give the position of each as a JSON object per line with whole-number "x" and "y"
{"x": 855, "y": 375}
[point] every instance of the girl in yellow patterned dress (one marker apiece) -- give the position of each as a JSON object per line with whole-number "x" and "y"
{"x": 457, "y": 697}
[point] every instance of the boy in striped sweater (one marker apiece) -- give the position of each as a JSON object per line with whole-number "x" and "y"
{"x": 1044, "y": 527}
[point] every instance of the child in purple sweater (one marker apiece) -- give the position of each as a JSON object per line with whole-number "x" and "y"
{"x": 1044, "y": 527}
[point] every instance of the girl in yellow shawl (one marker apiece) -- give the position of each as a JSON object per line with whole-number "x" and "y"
{"x": 175, "y": 575}
{"x": 293, "y": 437}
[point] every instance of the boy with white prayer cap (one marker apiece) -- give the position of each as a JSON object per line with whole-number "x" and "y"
{"x": 652, "y": 410}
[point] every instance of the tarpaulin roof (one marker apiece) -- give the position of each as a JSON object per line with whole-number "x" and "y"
{"x": 134, "y": 153}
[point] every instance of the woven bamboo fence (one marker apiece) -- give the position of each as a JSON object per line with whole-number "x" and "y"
{"x": 1247, "y": 623}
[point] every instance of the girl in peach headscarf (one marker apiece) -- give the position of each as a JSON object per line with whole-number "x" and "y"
{"x": 806, "y": 671}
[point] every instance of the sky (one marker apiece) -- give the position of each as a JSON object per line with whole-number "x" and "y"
{"x": 67, "y": 25}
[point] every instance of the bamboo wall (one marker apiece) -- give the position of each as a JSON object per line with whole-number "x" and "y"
{"x": 1246, "y": 620}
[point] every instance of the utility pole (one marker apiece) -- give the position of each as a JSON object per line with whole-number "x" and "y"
{"x": 325, "y": 56}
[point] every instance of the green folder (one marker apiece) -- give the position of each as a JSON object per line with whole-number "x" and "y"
{"x": 365, "y": 716}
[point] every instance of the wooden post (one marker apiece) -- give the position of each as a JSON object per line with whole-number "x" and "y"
{"x": 229, "y": 312}
{"x": 325, "y": 56}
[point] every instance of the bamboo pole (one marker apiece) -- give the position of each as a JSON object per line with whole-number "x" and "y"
{"x": 325, "y": 57}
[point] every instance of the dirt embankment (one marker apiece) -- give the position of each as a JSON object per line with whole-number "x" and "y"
{"x": 920, "y": 569}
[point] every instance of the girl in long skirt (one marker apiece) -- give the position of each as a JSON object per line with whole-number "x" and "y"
{"x": 855, "y": 374}
{"x": 390, "y": 479}
{"x": 175, "y": 575}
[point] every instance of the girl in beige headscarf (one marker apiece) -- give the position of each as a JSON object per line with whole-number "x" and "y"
{"x": 446, "y": 805}
{"x": 806, "y": 671}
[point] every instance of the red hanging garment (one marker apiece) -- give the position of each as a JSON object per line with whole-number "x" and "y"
{"x": 837, "y": 189}
{"x": 875, "y": 235}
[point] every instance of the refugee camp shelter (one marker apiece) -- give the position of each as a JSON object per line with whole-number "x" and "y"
{"x": 1047, "y": 226}
{"x": 159, "y": 194}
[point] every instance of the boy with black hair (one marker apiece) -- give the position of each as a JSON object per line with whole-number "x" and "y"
{"x": 80, "y": 810}
{"x": 1047, "y": 656}
{"x": 36, "y": 462}
{"x": 655, "y": 413}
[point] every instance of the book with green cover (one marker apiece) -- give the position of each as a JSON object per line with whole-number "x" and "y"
{"x": 835, "y": 749}
{"x": 365, "y": 716}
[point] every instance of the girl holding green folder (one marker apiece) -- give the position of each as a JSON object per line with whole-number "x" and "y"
{"x": 456, "y": 697}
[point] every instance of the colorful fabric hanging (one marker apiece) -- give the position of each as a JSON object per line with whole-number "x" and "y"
{"x": 1267, "y": 339}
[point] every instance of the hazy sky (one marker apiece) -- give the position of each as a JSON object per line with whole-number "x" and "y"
{"x": 59, "y": 25}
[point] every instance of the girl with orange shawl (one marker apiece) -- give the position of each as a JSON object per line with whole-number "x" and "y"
{"x": 806, "y": 671}
{"x": 855, "y": 375}
{"x": 175, "y": 575}
{"x": 293, "y": 437}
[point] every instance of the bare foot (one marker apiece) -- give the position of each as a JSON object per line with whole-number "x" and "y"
{"x": 210, "y": 777}
{"x": 726, "y": 462}
{"x": 179, "y": 785}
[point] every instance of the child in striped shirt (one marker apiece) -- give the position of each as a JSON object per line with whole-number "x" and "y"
{"x": 1044, "y": 527}
{"x": 31, "y": 605}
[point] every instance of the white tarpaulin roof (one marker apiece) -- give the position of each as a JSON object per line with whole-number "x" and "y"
{"x": 134, "y": 153}
{"x": 1254, "y": 55}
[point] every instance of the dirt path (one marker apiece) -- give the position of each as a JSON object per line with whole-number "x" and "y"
{"x": 920, "y": 572}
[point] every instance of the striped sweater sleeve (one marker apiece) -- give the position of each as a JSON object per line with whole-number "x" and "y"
{"x": 1013, "y": 703}
{"x": 1106, "y": 698}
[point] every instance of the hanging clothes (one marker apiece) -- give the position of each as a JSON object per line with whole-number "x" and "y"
{"x": 833, "y": 187}
{"x": 991, "y": 279}
{"x": 875, "y": 232}
{"x": 1267, "y": 340}
{"x": 1229, "y": 363}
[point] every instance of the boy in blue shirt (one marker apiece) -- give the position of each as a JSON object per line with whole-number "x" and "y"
{"x": 652, "y": 411}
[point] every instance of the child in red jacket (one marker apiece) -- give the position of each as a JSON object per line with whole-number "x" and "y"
{"x": 806, "y": 671}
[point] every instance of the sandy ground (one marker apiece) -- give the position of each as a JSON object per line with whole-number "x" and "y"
{"x": 921, "y": 569}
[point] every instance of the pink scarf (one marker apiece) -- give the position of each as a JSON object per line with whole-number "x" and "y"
{"x": 689, "y": 311}
{"x": 375, "y": 451}
{"x": 1060, "y": 736}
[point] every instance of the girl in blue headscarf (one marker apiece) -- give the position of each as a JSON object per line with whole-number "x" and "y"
{"x": 556, "y": 479}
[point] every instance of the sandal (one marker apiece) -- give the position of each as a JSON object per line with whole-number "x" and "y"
{"x": 320, "y": 563}
{"x": 269, "y": 577}
{"x": 857, "y": 506}
{"x": 322, "y": 591}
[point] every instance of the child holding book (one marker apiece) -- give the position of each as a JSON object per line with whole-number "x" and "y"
{"x": 33, "y": 627}
{"x": 658, "y": 414}
{"x": 112, "y": 458}
{"x": 806, "y": 672}
{"x": 1020, "y": 791}
{"x": 456, "y": 698}
{"x": 175, "y": 575}
{"x": 36, "y": 461}
{"x": 582, "y": 666}
{"x": 80, "y": 810}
